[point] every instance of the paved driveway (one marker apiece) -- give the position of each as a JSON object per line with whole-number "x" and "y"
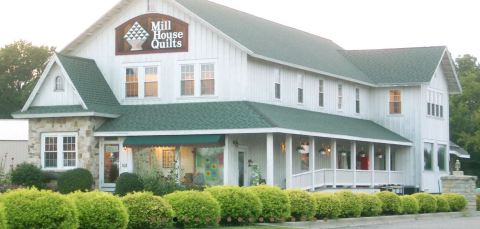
{"x": 445, "y": 223}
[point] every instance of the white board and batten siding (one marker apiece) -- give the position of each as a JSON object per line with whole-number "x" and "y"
{"x": 13, "y": 142}
{"x": 205, "y": 46}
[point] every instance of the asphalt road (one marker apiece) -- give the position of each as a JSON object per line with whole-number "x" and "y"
{"x": 446, "y": 223}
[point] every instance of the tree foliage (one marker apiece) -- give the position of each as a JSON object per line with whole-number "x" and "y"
{"x": 21, "y": 64}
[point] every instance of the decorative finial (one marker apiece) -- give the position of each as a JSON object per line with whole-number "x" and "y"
{"x": 457, "y": 165}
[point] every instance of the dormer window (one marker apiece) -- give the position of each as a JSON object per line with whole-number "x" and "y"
{"x": 59, "y": 83}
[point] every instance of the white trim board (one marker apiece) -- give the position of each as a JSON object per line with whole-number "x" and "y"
{"x": 60, "y": 115}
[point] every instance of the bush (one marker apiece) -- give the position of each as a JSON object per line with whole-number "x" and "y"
{"x": 100, "y": 210}
{"x": 328, "y": 206}
{"x": 31, "y": 208}
{"x": 275, "y": 202}
{"x": 478, "y": 202}
{"x": 238, "y": 205}
{"x": 302, "y": 204}
{"x": 442, "y": 204}
{"x": 426, "y": 202}
{"x": 27, "y": 175}
{"x": 371, "y": 204}
{"x": 128, "y": 182}
{"x": 391, "y": 203}
{"x": 147, "y": 211}
{"x": 409, "y": 205}
{"x": 3, "y": 217}
{"x": 456, "y": 202}
{"x": 75, "y": 180}
{"x": 350, "y": 204}
{"x": 194, "y": 208}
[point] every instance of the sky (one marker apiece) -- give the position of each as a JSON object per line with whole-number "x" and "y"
{"x": 353, "y": 24}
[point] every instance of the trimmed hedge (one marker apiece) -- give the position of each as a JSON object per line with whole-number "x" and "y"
{"x": 75, "y": 180}
{"x": 27, "y": 175}
{"x": 349, "y": 203}
{"x": 147, "y": 211}
{"x": 100, "y": 210}
{"x": 371, "y": 204}
{"x": 31, "y": 208}
{"x": 3, "y": 217}
{"x": 275, "y": 202}
{"x": 238, "y": 205}
{"x": 328, "y": 206}
{"x": 302, "y": 204}
{"x": 456, "y": 202}
{"x": 391, "y": 203}
{"x": 442, "y": 204}
{"x": 127, "y": 183}
{"x": 194, "y": 208}
{"x": 409, "y": 205}
{"x": 426, "y": 202}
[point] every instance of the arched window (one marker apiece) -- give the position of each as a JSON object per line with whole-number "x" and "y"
{"x": 59, "y": 86}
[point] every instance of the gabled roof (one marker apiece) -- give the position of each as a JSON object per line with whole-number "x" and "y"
{"x": 227, "y": 116}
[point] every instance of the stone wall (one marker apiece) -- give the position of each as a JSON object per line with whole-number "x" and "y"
{"x": 88, "y": 145}
{"x": 464, "y": 185}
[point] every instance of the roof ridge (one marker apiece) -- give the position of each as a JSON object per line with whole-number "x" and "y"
{"x": 74, "y": 57}
{"x": 385, "y": 49}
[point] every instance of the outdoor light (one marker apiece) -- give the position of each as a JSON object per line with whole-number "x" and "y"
{"x": 283, "y": 147}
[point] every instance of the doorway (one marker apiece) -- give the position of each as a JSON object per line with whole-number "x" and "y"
{"x": 243, "y": 173}
{"x": 109, "y": 165}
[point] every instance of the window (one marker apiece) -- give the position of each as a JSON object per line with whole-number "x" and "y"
{"x": 208, "y": 79}
{"x": 300, "y": 88}
{"x": 59, "y": 85}
{"x": 131, "y": 83}
{"x": 340, "y": 97}
{"x": 188, "y": 80}
{"x": 357, "y": 100}
{"x": 441, "y": 154}
{"x": 59, "y": 151}
{"x": 395, "y": 103}
{"x": 151, "y": 82}
{"x": 435, "y": 104}
{"x": 427, "y": 156}
{"x": 320, "y": 93}
{"x": 168, "y": 159}
{"x": 277, "y": 84}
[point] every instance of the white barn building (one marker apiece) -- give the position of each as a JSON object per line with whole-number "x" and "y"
{"x": 224, "y": 95}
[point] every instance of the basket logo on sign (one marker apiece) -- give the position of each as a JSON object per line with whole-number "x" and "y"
{"x": 151, "y": 33}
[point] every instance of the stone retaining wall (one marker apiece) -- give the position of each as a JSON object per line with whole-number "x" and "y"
{"x": 464, "y": 185}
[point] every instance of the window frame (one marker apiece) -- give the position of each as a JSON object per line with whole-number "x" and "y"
{"x": 157, "y": 81}
{"x": 445, "y": 160}
{"x": 197, "y": 76}
{"x": 357, "y": 100}
{"x": 182, "y": 80}
{"x": 435, "y": 106}
{"x": 141, "y": 67}
{"x": 321, "y": 93}
{"x": 432, "y": 161}
{"x": 213, "y": 72}
{"x": 300, "y": 88}
{"x": 60, "y": 150}
{"x": 62, "y": 84}
{"x": 340, "y": 97}
{"x": 277, "y": 84}
{"x": 390, "y": 102}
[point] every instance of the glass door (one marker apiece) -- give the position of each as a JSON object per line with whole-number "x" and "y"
{"x": 110, "y": 165}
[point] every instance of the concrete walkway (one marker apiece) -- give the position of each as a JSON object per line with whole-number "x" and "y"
{"x": 435, "y": 220}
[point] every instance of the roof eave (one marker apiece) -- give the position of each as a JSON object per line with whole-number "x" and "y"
{"x": 64, "y": 114}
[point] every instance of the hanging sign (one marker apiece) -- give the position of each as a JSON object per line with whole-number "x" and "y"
{"x": 151, "y": 33}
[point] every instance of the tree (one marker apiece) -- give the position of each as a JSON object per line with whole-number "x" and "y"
{"x": 21, "y": 64}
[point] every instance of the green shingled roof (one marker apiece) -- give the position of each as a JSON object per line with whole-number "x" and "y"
{"x": 397, "y": 66}
{"x": 241, "y": 115}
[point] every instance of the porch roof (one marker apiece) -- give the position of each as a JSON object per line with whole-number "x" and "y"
{"x": 238, "y": 116}
{"x": 174, "y": 140}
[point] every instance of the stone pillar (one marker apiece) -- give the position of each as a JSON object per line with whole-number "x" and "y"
{"x": 464, "y": 185}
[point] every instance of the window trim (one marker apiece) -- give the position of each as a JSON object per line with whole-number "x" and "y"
{"x": 357, "y": 100}
{"x": 300, "y": 88}
{"x": 145, "y": 81}
{"x": 214, "y": 78}
{"x": 321, "y": 91}
{"x": 445, "y": 160}
{"x": 432, "y": 156}
{"x": 277, "y": 80}
{"x": 197, "y": 79}
{"x": 141, "y": 80}
{"x": 60, "y": 151}
{"x": 62, "y": 83}
{"x": 435, "y": 105}
{"x": 390, "y": 102}
{"x": 340, "y": 96}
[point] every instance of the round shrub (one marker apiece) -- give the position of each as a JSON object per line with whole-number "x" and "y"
{"x": 275, "y": 202}
{"x": 31, "y": 208}
{"x": 128, "y": 182}
{"x": 456, "y": 202}
{"x": 350, "y": 204}
{"x": 391, "y": 203}
{"x": 442, "y": 204}
{"x": 27, "y": 175}
{"x": 409, "y": 205}
{"x": 302, "y": 204}
{"x": 75, "y": 180}
{"x": 147, "y": 211}
{"x": 478, "y": 202}
{"x": 426, "y": 202}
{"x": 328, "y": 205}
{"x": 3, "y": 217}
{"x": 238, "y": 205}
{"x": 194, "y": 208}
{"x": 100, "y": 210}
{"x": 371, "y": 204}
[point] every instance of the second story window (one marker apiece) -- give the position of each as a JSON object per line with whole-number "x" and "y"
{"x": 188, "y": 80}
{"x": 435, "y": 104}
{"x": 277, "y": 84}
{"x": 357, "y": 100}
{"x": 59, "y": 85}
{"x": 320, "y": 93}
{"x": 395, "y": 103}
{"x": 151, "y": 82}
{"x": 340, "y": 97}
{"x": 131, "y": 83}
{"x": 300, "y": 88}
{"x": 208, "y": 79}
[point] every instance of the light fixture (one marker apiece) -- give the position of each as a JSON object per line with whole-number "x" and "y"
{"x": 283, "y": 147}
{"x": 303, "y": 148}
{"x": 362, "y": 155}
{"x": 235, "y": 143}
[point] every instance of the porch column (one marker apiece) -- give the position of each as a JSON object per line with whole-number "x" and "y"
{"x": 371, "y": 164}
{"x": 226, "y": 161}
{"x": 288, "y": 161}
{"x": 334, "y": 162}
{"x": 270, "y": 164}
{"x": 178, "y": 162}
{"x": 388, "y": 165}
{"x": 311, "y": 162}
{"x": 353, "y": 162}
